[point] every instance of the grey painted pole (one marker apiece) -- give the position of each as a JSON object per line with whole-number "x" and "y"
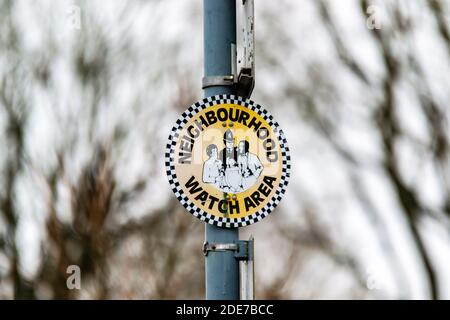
{"x": 219, "y": 32}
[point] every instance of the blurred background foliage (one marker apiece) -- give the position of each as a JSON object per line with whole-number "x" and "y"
{"x": 85, "y": 113}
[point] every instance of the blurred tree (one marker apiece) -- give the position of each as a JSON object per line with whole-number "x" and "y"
{"x": 325, "y": 104}
{"x": 81, "y": 113}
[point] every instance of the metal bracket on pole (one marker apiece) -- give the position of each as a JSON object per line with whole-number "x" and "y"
{"x": 242, "y": 253}
{"x": 240, "y": 249}
{"x": 243, "y": 86}
{"x": 214, "y": 81}
{"x": 245, "y": 80}
{"x": 242, "y": 78}
{"x": 247, "y": 272}
{"x": 218, "y": 247}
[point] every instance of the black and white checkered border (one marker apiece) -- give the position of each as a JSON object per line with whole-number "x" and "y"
{"x": 176, "y": 187}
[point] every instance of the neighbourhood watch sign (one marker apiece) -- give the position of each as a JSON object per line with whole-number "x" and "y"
{"x": 227, "y": 161}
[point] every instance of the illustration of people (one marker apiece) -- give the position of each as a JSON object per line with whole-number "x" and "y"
{"x": 212, "y": 168}
{"x": 249, "y": 165}
{"x": 228, "y": 155}
{"x": 233, "y": 169}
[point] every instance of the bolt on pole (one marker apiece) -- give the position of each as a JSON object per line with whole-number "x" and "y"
{"x": 219, "y": 36}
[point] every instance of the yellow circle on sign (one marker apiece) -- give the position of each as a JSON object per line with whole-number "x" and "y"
{"x": 227, "y": 161}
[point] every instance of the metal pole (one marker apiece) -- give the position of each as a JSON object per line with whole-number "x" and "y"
{"x": 219, "y": 36}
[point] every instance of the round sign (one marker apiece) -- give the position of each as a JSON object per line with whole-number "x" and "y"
{"x": 227, "y": 161}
